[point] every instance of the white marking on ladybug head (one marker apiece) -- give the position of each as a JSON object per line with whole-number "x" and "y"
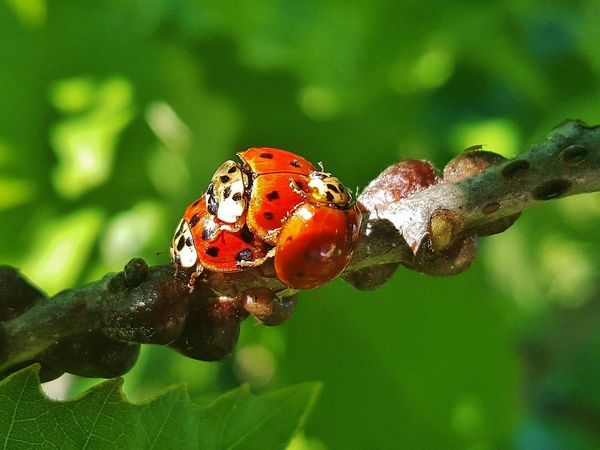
{"x": 327, "y": 189}
{"x": 229, "y": 185}
{"x": 183, "y": 252}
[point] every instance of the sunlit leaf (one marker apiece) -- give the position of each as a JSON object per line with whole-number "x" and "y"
{"x": 497, "y": 135}
{"x": 14, "y": 192}
{"x": 128, "y": 233}
{"x": 85, "y": 143}
{"x": 31, "y": 12}
{"x": 60, "y": 249}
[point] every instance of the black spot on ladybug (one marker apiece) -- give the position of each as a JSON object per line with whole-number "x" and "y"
{"x": 212, "y": 251}
{"x": 237, "y": 197}
{"x": 294, "y": 163}
{"x": 289, "y": 238}
{"x": 196, "y": 203}
{"x": 226, "y": 192}
{"x": 266, "y": 155}
{"x": 194, "y": 220}
{"x": 273, "y": 195}
{"x": 266, "y": 247}
{"x": 268, "y": 215}
{"x": 224, "y": 178}
{"x": 180, "y": 243}
{"x": 329, "y": 196}
{"x": 333, "y": 187}
{"x": 246, "y": 235}
{"x": 189, "y": 241}
{"x": 244, "y": 255}
{"x": 299, "y": 184}
{"x": 205, "y": 235}
{"x": 232, "y": 169}
{"x": 300, "y": 273}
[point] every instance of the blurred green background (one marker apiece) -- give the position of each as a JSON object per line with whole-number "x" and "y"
{"x": 114, "y": 114}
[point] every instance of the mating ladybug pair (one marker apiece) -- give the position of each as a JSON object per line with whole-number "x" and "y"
{"x": 272, "y": 204}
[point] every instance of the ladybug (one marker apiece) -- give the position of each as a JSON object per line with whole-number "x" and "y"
{"x": 317, "y": 239}
{"x": 227, "y": 251}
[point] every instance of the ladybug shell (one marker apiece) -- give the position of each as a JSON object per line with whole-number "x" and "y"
{"x": 315, "y": 245}
{"x": 278, "y": 179}
{"x": 272, "y": 200}
{"x": 225, "y": 251}
{"x": 261, "y": 160}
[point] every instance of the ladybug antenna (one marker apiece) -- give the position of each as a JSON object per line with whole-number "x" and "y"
{"x": 320, "y": 164}
{"x": 160, "y": 253}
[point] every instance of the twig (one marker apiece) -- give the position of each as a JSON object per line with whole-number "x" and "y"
{"x": 412, "y": 216}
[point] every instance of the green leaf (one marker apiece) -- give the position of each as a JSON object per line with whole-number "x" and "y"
{"x": 237, "y": 420}
{"x": 104, "y": 419}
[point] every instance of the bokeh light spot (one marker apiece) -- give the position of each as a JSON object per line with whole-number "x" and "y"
{"x": 303, "y": 442}
{"x": 467, "y": 417}
{"x": 31, "y": 13}
{"x": 254, "y": 364}
{"x": 163, "y": 161}
{"x": 61, "y": 249}
{"x": 497, "y": 135}
{"x": 167, "y": 125}
{"x": 568, "y": 271}
{"x": 431, "y": 70}
{"x": 14, "y": 192}
{"x": 73, "y": 95}
{"x": 318, "y": 102}
{"x": 85, "y": 143}
{"x": 129, "y": 232}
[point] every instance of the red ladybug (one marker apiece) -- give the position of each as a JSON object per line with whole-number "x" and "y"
{"x": 228, "y": 251}
{"x": 317, "y": 239}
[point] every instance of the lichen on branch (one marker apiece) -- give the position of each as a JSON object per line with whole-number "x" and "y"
{"x": 413, "y": 215}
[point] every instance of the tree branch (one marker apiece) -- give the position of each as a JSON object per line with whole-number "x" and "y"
{"x": 413, "y": 216}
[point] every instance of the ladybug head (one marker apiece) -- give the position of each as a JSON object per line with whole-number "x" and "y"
{"x": 225, "y": 195}
{"x": 327, "y": 189}
{"x": 183, "y": 253}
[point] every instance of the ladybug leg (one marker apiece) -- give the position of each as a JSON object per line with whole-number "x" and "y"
{"x": 195, "y": 274}
{"x": 285, "y": 293}
{"x": 258, "y": 261}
